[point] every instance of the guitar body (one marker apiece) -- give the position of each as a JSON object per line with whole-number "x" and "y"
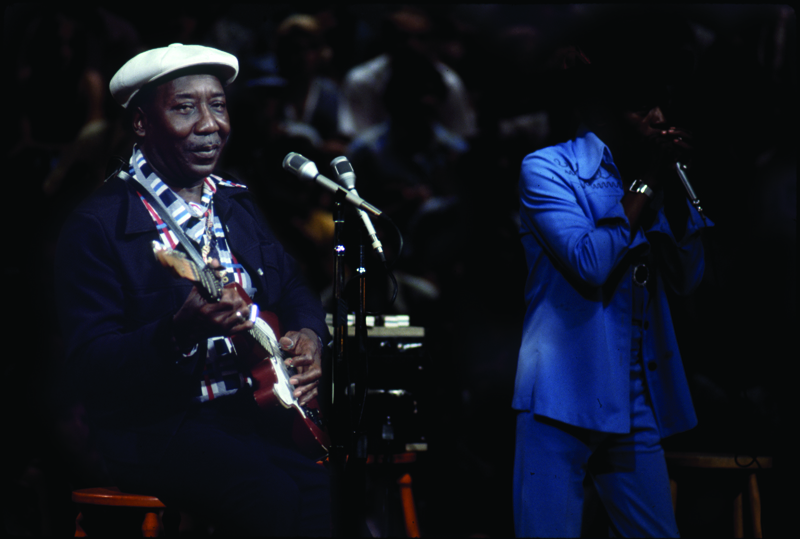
{"x": 260, "y": 351}
{"x": 272, "y": 390}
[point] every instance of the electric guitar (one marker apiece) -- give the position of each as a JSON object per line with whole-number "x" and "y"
{"x": 260, "y": 349}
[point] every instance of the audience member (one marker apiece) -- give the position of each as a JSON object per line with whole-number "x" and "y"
{"x": 310, "y": 98}
{"x": 405, "y": 31}
{"x": 407, "y": 160}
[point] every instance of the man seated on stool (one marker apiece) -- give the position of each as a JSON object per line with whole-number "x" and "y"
{"x": 169, "y": 402}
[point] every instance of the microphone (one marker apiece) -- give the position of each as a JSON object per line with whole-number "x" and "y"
{"x": 347, "y": 176}
{"x": 345, "y": 173}
{"x": 305, "y": 169}
{"x": 689, "y": 191}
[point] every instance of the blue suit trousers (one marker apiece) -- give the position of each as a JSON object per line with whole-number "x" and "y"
{"x": 628, "y": 471}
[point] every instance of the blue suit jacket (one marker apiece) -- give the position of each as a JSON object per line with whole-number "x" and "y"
{"x": 574, "y": 361}
{"x": 116, "y": 302}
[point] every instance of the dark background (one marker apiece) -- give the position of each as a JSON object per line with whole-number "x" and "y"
{"x": 737, "y": 332}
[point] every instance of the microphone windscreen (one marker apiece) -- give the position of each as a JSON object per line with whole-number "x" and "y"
{"x": 293, "y": 162}
{"x": 341, "y": 165}
{"x": 344, "y": 171}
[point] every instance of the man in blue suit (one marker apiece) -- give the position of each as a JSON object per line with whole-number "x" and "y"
{"x": 606, "y": 227}
{"x": 169, "y": 399}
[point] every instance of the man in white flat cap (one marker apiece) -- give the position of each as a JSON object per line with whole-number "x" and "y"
{"x": 170, "y": 401}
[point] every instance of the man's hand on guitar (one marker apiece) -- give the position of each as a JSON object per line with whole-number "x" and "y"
{"x": 306, "y": 357}
{"x": 197, "y": 319}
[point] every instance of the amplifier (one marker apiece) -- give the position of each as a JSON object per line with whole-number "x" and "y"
{"x": 395, "y": 406}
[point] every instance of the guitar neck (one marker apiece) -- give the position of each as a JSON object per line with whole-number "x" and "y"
{"x": 212, "y": 288}
{"x": 200, "y": 274}
{"x": 263, "y": 334}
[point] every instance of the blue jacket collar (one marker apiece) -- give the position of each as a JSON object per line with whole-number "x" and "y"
{"x": 590, "y": 152}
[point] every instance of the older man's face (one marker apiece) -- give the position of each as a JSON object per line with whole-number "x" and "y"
{"x": 184, "y": 128}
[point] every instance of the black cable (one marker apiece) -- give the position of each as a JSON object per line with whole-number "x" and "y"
{"x": 388, "y": 266}
{"x": 400, "y": 241}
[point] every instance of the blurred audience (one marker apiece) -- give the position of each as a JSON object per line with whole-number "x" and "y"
{"x": 406, "y": 31}
{"x": 79, "y": 47}
{"x": 407, "y": 160}
{"x": 310, "y": 99}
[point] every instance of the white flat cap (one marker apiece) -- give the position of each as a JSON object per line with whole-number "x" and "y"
{"x": 155, "y": 63}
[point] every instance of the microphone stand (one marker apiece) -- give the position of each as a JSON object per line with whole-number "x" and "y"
{"x": 359, "y": 375}
{"x": 357, "y": 463}
{"x": 340, "y": 427}
{"x": 348, "y": 454}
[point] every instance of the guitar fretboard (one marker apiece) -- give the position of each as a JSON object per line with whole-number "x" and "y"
{"x": 262, "y": 333}
{"x": 209, "y": 281}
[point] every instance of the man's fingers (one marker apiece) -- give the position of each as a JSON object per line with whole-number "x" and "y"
{"x": 299, "y": 361}
{"x": 244, "y": 326}
{"x": 306, "y": 392}
{"x": 307, "y": 377}
{"x": 287, "y": 343}
{"x": 678, "y": 131}
{"x": 305, "y": 399}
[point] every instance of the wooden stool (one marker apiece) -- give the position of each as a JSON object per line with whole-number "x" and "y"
{"x": 749, "y": 465}
{"x": 406, "y": 494}
{"x": 153, "y": 523}
{"x": 152, "y": 507}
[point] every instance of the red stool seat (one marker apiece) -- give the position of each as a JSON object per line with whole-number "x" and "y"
{"x": 112, "y": 496}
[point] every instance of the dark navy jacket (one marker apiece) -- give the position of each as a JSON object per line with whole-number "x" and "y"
{"x": 116, "y": 303}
